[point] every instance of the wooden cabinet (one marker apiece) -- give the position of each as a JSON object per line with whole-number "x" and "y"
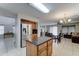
{"x": 34, "y": 25}
{"x": 28, "y": 48}
{"x": 31, "y": 50}
{"x": 44, "y": 49}
{"x": 50, "y": 47}
{"x": 42, "y": 46}
{"x": 43, "y": 53}
{"x": 34, "y": 36}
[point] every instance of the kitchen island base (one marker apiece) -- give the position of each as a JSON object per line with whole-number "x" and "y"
{"x": 42, "y": 49}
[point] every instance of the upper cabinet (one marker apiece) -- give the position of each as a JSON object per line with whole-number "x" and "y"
{"x": 34, "y": 24}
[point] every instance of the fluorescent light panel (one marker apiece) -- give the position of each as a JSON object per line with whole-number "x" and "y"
{"x": 40, "y": 7}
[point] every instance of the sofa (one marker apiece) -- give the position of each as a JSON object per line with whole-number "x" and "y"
{"x": 67, "y": 36}
{"x": 75, "y": 37}
{"x": 49, "y": 34}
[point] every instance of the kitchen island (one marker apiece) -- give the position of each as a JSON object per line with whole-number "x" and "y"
{"x": 39, "y": 47}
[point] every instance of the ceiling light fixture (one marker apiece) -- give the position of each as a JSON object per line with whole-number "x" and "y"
{"x": 40, "y": 7}
{"x": 65, "y": 19}
{"x": 69, "y": 20}
{"x": 61, "y": 21}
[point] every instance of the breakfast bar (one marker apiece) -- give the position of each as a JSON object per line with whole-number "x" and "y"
{"x": 41, "y": 46}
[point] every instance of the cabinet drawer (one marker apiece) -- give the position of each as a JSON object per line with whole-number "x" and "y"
{"x": 44, "y": 53}
{"x": 42, "y": 46}
{"x": 43, "y": 49}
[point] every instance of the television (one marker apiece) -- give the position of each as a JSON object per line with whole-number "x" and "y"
{"x": 34, "y": 31}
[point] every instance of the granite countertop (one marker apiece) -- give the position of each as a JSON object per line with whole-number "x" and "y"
{"x": 40, "y": 40}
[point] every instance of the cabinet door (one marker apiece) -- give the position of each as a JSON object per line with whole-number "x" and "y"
{"x": 34, "y": 25}
{"x": 27, "y": 49}
{"x": 44, "y": 53}
{"x": 50, "y": 47}
{"x": 42, "y": 46}
{"x": 31, "y": 50}
{"x": 42, "y": 49}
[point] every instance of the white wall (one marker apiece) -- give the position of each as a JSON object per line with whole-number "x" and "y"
{"x": 7, "y": 17}
{"x": 77, "y": 27}
{"x": 7, "y": 13}
{"x": 8, "y": 28}
{"x": 17, "y": 32}
{"x": 47, "y": 23}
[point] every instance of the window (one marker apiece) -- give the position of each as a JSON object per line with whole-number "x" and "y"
{"x": 71, "y": 29}
{"x": 53, "y": 30}
{"x": 65, "y": 30}
{"x": 1, "y": 29}
{"x": 68, "y": 29}
{"x": 13, "y": 29}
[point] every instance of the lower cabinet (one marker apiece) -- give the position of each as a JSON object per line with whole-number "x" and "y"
{"x": 28, "y": 49}
{"x": 50, "y": 48}
{"x": 43, "y": 53}
{"x": 44, "y": 49}
{"x": 31, "y": 50}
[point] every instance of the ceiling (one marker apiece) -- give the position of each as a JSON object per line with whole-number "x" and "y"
{"x": 10, "y": 21}
{"x": 57, "y": 11}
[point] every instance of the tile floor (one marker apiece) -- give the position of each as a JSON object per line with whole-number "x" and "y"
{"x": 65, "y": 48}
{"x": 16, "y": 52}
{"x": 6, "y": 44}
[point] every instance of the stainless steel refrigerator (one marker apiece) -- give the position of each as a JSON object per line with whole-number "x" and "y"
{"x": 26, "y": 33}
